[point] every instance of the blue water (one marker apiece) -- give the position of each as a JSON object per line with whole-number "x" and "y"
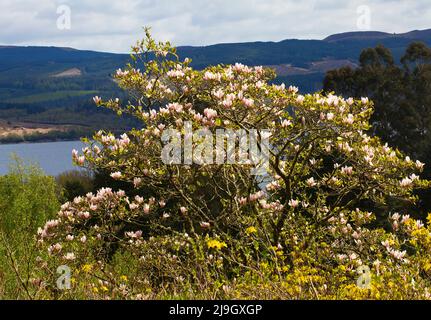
{"x": 53, "y": 157}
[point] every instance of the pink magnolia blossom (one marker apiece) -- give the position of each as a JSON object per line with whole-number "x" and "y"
{"x": 97, "y": 100}
{"x": 205, "y": 225}
{"x": 248, "y": 102}
{"x": 69, "y": 256}
{"x": 146, "y": 208}
{"x": 347, "y": 170}
{"x": 293, "y": 203}
{"x": 210, "y": 113}
{"x": 116, "y": 175}
{"x": 311, "y": 182}
{"x": 300, "y": 99}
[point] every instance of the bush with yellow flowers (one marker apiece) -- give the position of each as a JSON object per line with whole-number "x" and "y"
{"x": 327, "y": 218}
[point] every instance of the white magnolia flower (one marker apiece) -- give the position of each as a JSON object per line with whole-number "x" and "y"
{"x": 311, "y": 182}
{"x": 364, "y": 100}
{"x": 347, "y": 170}
{"x": 116, "y": 175}
{"x": 300, "y": 99}
{"x": 97, "y": 100}
{"x": 210, "y": 113}
{"x": 69, "y": 256}
{"x": 293, "y": 203}
{"x": 406, "y": 182}
{"x": 286, "y": 123}
{"x": 205, "y": 225}
{"x": 349, "y": 119}
{"x": 419, "y": 165}
{"x": 146, "y": 208}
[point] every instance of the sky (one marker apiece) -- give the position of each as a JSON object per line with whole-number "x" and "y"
{"x": 113, "y": 26}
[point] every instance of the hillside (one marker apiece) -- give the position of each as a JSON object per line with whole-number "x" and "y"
{"x": 52, "y": 85}
{"x": 423, "y": 35}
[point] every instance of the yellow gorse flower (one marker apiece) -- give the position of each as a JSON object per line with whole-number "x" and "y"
{"x": 216, "y": 244}
{"x": 87, "y": 268}
{"x": 250, "y": 230}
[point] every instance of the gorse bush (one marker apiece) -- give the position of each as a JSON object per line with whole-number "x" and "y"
{"x": 306, "y": 229}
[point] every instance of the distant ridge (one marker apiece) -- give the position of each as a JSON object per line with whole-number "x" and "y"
{"x": 59, "y": 48}
{"x": 357, "y": 35}
{"x": 375, "y": 35}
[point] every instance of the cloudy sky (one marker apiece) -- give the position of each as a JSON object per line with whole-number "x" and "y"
{"x": 107, "y": 25}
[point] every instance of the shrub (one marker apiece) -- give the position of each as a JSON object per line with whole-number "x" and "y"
{"x": 304, "y": 230}
{"x": 74, "y": 183}
{"x": 27, "y": 200}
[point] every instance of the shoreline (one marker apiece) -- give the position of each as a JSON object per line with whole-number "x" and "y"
{"x": 40, "y": 141}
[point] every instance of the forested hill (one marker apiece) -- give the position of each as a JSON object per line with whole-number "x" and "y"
{"x": 44, "y": 68}
{"x": 54, "y": 85}
{"x": 302, "y": 53}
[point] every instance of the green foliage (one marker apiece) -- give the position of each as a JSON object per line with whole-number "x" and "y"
{"x": 74, "y": 183}
{"x": 27, "y": 199}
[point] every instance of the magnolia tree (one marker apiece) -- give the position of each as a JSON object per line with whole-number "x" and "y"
{"x": 236, "y": 178}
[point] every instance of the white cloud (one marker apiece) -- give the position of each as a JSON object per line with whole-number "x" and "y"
{"x": 115, "y": 25}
